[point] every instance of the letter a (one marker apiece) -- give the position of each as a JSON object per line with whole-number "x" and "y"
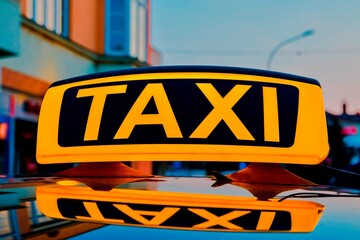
{"x": 164, "y": 117}
{"x": 138, "y": 215}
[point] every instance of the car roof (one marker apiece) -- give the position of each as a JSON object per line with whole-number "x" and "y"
{"x": 340, "y": 214}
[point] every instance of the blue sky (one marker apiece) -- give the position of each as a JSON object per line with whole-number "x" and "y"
{"x": 243, "y": 32}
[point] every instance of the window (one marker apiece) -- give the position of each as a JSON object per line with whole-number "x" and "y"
{"x": 116, "y": 27}
{"x": 52, "y": 14}
{"x": 138, "y": 41}
{"x": 126, "y": 28}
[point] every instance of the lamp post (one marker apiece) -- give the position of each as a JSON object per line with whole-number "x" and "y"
{"x": 295, "y": 38}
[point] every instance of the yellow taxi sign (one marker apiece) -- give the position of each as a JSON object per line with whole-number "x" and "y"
{"x": 183, "y": 113}
{"x": 172, "y": 210}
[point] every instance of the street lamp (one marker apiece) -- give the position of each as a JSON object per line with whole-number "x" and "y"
{"x": 273, "y": 52}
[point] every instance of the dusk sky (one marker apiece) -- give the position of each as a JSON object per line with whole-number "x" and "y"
{"x": 243, "y": 32}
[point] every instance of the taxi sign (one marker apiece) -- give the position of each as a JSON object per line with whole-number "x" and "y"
{"x": 183, "y": 113}
{"x": 173, "y": 210}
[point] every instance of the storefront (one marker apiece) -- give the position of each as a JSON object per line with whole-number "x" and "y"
{"x": 4, "y": 133}
{"x": 20, "y": 102}
{"x": 18, "y": 127}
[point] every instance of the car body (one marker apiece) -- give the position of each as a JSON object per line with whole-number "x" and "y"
{"x": 334, "y": 210}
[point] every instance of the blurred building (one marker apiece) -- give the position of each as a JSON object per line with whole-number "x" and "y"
{"x": 47, "y": 40}
{"x": 350, "y": 126}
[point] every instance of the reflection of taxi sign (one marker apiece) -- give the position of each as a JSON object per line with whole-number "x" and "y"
{"x": 177, "y": 210}
{"x": 183, "y": 113}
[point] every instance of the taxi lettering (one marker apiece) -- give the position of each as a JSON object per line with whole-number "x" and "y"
{"x": 173, "y": 216}
{"x": 179, "y": 112}
{"x": 222, "y": 111}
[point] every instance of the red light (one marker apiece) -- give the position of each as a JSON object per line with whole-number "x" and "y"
{"x": 349, "y": 130}
{"x": 32, "y": 107}
{"x": 3, "y": 130}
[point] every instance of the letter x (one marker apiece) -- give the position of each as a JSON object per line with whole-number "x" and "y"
{"x": 222, "y": 111}
{"x": 214, "y": 220}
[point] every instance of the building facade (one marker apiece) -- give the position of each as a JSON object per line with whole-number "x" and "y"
{"x": 48, "y": 40}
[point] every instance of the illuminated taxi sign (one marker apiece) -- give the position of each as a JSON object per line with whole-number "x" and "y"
{"x": 184, "y": 113}
{"x": 177, "y": 210}
{"x": 187, "y": 112}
